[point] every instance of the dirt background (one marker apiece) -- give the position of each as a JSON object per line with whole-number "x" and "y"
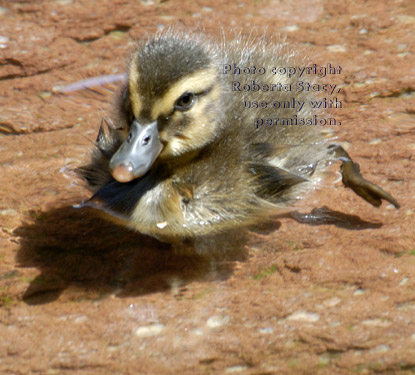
{"x": 79, "y": 295}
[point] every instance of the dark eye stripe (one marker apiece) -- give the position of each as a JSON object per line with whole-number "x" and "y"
{"x": 204, "y": 92}
{"x": 194, "y": 96}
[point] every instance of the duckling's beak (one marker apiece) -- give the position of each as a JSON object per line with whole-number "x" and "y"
{"x": 137, "y": 154}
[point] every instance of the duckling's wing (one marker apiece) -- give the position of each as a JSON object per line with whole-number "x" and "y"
{"x": 262, "y": 150}
{"x": 273, "y": 182}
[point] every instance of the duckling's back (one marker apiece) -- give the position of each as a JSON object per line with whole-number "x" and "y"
{"x": 264, "y": 115}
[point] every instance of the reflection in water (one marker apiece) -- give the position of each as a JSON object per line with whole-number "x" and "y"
{"x": 326, "y": 216}
{"x": 76, "y": 247}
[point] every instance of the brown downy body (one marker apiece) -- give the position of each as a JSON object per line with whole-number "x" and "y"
{"x": 183, "y": 158}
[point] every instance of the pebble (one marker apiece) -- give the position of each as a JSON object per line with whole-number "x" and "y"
{"x": 197, "y": 332}
{"x": 235, "y": 369}
{"x": 359, "y": 292}
{"x": 149, "y": 331}
{"x": 404, "y": 281}
{"x": 337, "y": 48}
{"x": 376, "y": 322}
{"x": 166, "y": 17}
{"x": 374, "y": 94}
{"x": 380, "y": 349}
{"x": 403, "y": 54}
{"x": 332, "y": 302}
{"x": 406, "y": 306}
{"x": 323, "y": 360}
{"x": 290, "y": 28}
{"x": 217, "y": 321}
{"x": 266, "y": 330}
{"x": 81, "y": 319}
{"x": 405, "y": 19}
{"x": 303, "y": 316}
{"x": 375, "y": 141}
{"x": 8, "y": 212}
{"x": 3, "y": 41}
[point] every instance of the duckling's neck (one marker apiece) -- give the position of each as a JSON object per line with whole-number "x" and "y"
{"x": 180, "y": 161}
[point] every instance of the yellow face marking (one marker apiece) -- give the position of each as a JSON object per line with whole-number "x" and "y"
{"x": 196, "y": 82}
{"x": 133, "y": 87}
{"x": 200, "y": 130}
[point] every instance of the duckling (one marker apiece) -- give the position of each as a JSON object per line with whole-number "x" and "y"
{"x": 182, "y": 157}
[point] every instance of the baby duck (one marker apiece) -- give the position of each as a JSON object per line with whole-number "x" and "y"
{"x": 182, "y": 157}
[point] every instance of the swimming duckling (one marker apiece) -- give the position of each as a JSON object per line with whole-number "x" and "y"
{"x": 182, "y": 157}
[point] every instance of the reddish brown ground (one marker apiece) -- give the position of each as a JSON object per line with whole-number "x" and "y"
{"x": 81, "y": 296}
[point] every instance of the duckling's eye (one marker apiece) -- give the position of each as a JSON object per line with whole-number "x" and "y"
{"x": 185, "y": 102}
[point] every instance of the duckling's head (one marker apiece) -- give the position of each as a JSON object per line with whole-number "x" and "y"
{"x": 170, "y": 107}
